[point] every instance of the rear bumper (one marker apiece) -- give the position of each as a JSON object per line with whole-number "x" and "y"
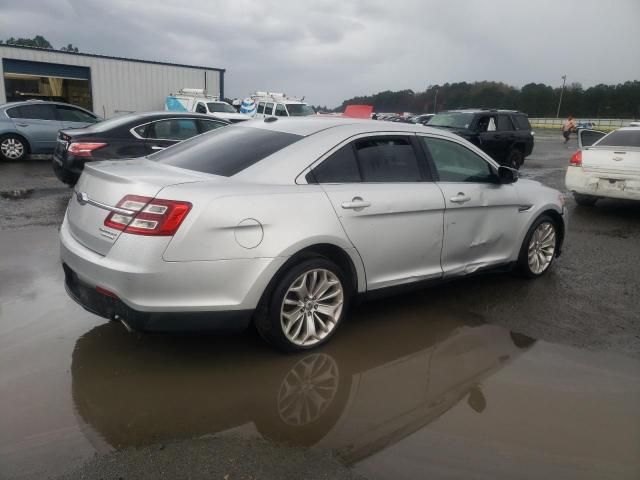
{"x": 113, "y": 308}
{"x": 65, "y": 174}
{"x": 578, "y": 180}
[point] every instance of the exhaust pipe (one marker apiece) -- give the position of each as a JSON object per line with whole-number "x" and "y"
{"x": 118, "y": 318}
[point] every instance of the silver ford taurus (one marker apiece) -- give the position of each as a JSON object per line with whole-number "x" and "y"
{"x": 282, "y": 222}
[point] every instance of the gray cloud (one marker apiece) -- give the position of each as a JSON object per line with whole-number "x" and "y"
{"x": 330, "y": 50}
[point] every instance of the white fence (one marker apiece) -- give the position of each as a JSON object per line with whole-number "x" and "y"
{"x": 600, "y": 123}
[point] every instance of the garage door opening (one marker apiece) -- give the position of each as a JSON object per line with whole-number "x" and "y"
{"x": 26, "y": 80}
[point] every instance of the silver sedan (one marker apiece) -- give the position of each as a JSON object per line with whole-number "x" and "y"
{"x": 283, "y": 222}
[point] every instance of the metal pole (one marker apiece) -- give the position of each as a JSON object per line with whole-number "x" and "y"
{"x": 435, "y": 102}
{"x": 564, "y": 79}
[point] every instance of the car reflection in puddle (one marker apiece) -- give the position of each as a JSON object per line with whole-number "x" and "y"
{"x": 391, "y": 371}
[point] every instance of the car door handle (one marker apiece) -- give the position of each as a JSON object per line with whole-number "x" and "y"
{"x": 460, "y": 198}
{"x": 356, "y": 203}
{"x": 156, "y": 147}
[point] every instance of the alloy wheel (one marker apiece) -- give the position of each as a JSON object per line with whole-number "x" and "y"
{"x": 542, "y": 247}
{"x": 312, "y": 307}
{"x": 12, "y": 148}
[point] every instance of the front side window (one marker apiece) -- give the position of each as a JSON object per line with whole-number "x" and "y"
{"x": 455, "y": 163}
{"x": 281, "y": 111}
{"x": 173, "y": 129}
{"x": 225, "y": 151}
{"x": 340, "y": 167}
{"x": 487, "y": 124}
{"x": 387, "y": 159}
{"x": 200, "y": 108}
{"x": 33, "y": 112}
{"x": 70, "y": 114}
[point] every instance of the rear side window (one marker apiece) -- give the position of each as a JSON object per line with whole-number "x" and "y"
{"x": 173, "y": 129}
{"x": 621, "y": 138}
{"x": 340, "y": 167}
{"x": 387, "y": 160}
{"x": 504, "y": 123}
{"x": 200, "y": 108}
{"x": 225, "y": 151}
{"x": 207, "y": 125}
{"x": 33, "y": 112}
{"x": 522, "y": 122}
{"x": 70, "y": 114}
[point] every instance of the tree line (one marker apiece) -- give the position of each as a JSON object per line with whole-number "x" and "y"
{"x": 36, "y": 42}
{"x": 535, "y": 99}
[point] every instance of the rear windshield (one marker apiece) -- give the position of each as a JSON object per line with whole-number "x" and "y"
{"x": 225, "y": 151}
{"x": 451, "y": 120}
{"x": 115, "y": 122}
{"x": 621, "y": 138}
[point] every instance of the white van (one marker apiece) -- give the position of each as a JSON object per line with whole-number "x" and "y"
{"x": 273, "y": 104}
{"x": 197, "y": 100}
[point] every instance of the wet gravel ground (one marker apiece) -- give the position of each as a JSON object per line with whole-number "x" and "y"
{"x": 450, "y": 392}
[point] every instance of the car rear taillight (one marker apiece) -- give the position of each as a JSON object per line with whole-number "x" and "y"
{"x": 84, "y": 149}
{"x": 149, "y": 216}
{"x": 576, "y": 159}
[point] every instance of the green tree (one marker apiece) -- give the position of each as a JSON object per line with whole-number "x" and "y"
{"x": 70, "y": 48}
{"x": 36, "y": 42}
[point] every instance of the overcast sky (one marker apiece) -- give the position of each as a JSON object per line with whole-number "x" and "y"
{"x": 330, "y": 50}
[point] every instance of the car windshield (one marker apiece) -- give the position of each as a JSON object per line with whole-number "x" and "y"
{"x": 451, "y": 120}
{"x": 225, "y": 151}
{"x": 621, "y": 138}
{"x": 220, "y": 107}
{"x": 300, "y": 110}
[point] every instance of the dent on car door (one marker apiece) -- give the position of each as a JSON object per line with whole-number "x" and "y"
{"x": 481, "y": 215}
{"x": 389, "y": 210}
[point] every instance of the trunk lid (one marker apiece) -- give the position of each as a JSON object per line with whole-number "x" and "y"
{"x": 614, "y": 160}
{"x": 103, "y": 184}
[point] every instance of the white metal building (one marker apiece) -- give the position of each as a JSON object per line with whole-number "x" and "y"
{"x": 106, "y": 85}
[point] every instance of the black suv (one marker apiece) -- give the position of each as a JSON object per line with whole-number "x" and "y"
{"x": 504, "y": 134}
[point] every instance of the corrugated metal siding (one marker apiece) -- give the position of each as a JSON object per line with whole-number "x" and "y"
{"x": 122, "y": 85}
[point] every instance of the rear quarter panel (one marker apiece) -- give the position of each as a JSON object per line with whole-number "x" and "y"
{"x": 253, "y": 221}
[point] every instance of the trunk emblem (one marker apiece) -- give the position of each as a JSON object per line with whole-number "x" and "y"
{"x": 82, "y": 198}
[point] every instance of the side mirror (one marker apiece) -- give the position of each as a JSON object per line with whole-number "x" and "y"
{"x": 507, "y": 175}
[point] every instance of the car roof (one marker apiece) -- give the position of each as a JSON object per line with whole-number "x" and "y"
{"x": 40, "y": 102}
{"x": 306, "y": 126}
{"x": 482, "y": 110}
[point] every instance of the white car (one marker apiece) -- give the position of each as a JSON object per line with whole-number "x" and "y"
{"x": 605, "y": 166}
{"x": 283, "y": 221}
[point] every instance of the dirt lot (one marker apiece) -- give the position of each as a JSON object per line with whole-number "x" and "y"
{"x": 489, "y": 377}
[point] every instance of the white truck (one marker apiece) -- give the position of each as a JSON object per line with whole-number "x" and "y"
{"x": 197, "y": 100}
{"x": 273, "y": 104}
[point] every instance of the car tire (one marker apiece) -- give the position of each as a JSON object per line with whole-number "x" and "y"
{"x": 312, "y": 297}
{"x": 539, "y": 249}
{"x": 585, "y": 200}
{"x": 515, "y": 159}
{"x": 13, "y": 148}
